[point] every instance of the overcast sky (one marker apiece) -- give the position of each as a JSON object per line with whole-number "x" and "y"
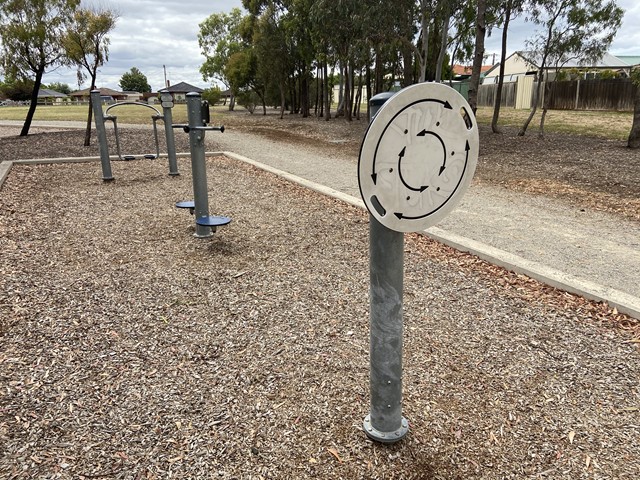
{"x": 156, "y": 34}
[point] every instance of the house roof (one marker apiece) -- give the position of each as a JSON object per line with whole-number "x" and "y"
{"x": 630, "y": 59}
{"x": 606, "y": 61}
{"x": 466, "y": 70}
{"x": 181, "y": 87}
{"x": 46, "y": 93}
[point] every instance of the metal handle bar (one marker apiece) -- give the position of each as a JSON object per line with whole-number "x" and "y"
{"x": 187, "y": 128}
{"x": 119, "y": 104}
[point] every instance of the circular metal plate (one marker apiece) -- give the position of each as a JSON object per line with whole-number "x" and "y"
{"x": 166, "y": 97}
{"x": 418, "y": 157}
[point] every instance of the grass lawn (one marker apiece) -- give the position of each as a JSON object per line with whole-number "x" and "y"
{"x": 125, "y": 113}
{"x": 613, "y": 125}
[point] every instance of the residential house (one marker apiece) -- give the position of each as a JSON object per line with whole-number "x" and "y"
{"x": 180, "y": 90}
{"x": 51, "y": 97}
{"x": 107, "y": 95}
{"x": 132, "y": 96}
{"x": 462, "y": 72}
{"x": 524, "y": 63}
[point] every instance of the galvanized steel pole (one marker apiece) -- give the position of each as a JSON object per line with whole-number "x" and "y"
{"x": 103, "y": 146}
{"x": 198, "y": 166}
{"x": 171, "y": 143}
{"x": 386, "y": 269}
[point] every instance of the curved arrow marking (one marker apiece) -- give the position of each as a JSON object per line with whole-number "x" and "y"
{"x": 445, "y": 104}
{"x": 400, "y": 157}
{"x": 401, "y": 215}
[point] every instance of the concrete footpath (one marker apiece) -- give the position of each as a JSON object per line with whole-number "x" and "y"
{"x": 593, "y": 254}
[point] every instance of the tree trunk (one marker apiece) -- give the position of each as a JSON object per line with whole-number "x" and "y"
{"x": 358, "y": 100}
{"x": 542, "y": 119}
{"x": 378, "y": 73}
{"x": 481, "y": 30}
{"x": 407, "y": 60}
{"x": 348, "y": 91}
{"x": 34, "y": 103}
{"x": 340, "y": 110}
{"x": 425, "y": 20}
{"x": 320, "y": 92}
{"x": 503, "y": 56}
{"x": 87, "y": 134}
{"x": 545, "y": 108}
{"x": 634, "y": 135}
{"x": 327, "y": 93}
{"x": 534, "y": 107}
{"x": 443, "y": 47}
{"x": 282, "y": 99}
{"x": 315, "y": 107}
{"x": 304, "y": 93}
{"x": 367, "y": 82}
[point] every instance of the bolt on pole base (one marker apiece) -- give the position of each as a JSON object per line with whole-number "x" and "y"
{"x": 385, "y": 437}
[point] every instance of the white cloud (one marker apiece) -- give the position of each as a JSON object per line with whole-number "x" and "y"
{"x": 626, "y": 42}
{"x": 151, "y": 34}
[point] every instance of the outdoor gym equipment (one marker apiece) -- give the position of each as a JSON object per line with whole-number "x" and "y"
{"x": 198, "y": 118}
{"x": 100, "y": 117}
{"x": 416, "y": 162}
{"x": 114, "y": 119}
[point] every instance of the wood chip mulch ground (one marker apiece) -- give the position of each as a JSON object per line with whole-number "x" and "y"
{"x": 131, "y": 350}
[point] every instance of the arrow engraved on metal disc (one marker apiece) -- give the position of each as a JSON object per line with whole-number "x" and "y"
{"x": 401, "y": 215}
{"x": 445, "y": 104}
{"x": 400, "y": 157}
{"x": 424, "y": 133}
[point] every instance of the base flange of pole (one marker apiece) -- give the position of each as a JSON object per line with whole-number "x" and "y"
{"x": 203, "y": 235}
{"x": 385, "y": 437}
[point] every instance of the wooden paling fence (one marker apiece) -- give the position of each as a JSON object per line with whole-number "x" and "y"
{"x": 614, "y": 94}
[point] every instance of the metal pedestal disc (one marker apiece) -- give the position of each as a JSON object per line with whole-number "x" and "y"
{"x": 418, "y": 157}
{"x": 385, "y": 437}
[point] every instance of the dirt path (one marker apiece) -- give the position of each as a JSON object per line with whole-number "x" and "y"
{"x": 597, "y": 246}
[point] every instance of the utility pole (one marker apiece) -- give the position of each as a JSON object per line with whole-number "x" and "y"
{"x": 164, "y": 68}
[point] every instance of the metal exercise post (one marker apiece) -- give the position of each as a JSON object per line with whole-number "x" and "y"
{"x": 98, "y": 117}
{"x": 386, "y": 269}
{"x": 167, "y": 105}
{"x": 198, "y": 166}
{"x": 416, "y": 161}
{"x": 205, "y": 224}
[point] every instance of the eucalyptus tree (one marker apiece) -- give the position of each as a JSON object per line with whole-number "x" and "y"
{"x": 87, "y": 45}
{"x": 299, "y": 28}
{"x": 507, "y": 11}
{"x": 569, "y": 29}
{"x": 450, "y": 15}
{"x": 289, "y": 21}
{"x": 31, "y": 33}
{"x": 478, "y": 53}
{"x": 221, "y": 36}
{"x": 342, "y": 31}
{"x": 426, "y": 10}
{"x": 273, "y": 58}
